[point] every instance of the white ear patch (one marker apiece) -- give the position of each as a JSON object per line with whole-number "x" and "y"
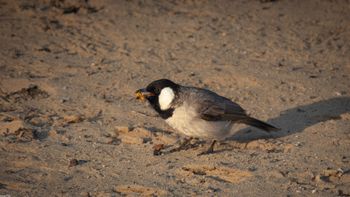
{"x": 165, "y": 98}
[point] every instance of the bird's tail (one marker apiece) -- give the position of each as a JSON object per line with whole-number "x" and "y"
{"x": 259, "y": 124}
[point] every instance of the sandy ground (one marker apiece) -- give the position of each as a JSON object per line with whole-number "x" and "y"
{"x": 70, "y": 125}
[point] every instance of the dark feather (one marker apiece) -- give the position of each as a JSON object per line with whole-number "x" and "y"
{"x": 259, "y": 124}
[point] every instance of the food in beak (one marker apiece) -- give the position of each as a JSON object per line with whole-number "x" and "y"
{"x": 142, "y": 94}
{"x": 139, "y": 95}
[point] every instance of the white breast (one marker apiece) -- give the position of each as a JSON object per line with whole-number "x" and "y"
{"x": 185, "y": 120}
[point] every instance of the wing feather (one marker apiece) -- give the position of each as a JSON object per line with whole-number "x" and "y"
{"x": 213, "y": 107}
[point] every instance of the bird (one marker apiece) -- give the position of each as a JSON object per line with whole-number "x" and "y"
{"x": 197, "y": 112}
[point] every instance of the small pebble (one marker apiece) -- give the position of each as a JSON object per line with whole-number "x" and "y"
{"x": 73, "y": 162}
{"x": 157, "y": 149}
{"x": 73, "y": 118}
{"x": 122, "y": 129}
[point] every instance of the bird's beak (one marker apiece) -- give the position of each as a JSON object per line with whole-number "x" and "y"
{"x": 142, "y": 94}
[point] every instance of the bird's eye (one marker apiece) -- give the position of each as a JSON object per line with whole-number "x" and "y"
{"x": 152, "y": 89}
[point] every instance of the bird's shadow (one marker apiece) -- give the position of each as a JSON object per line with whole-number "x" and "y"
{"x": 297, "y": 119}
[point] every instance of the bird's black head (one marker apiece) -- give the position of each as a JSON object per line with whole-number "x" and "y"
{"x": 160, "y": 94}
{"x": 157, "y": 86}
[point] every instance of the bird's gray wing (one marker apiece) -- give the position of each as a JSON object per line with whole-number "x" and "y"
{"x": 211, "y": 106}
{"x": 220, "y": 109}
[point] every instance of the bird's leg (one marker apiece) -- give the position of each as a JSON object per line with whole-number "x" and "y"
{"x": 209, "y": 150}
{"x": 183, "y": 145}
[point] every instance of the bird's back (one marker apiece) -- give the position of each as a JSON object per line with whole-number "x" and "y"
{"x": 201, "y": 98}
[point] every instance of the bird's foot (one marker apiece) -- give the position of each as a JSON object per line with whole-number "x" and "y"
{"x": 183, "y": 145}
{"x": 210, "y": 150}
